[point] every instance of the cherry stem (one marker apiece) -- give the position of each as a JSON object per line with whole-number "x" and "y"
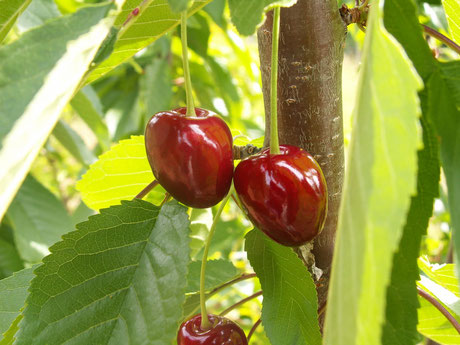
{"x": 253, "y": 329}
{"x": 219, "y": 288}
{"x": 274, "y": 139}
{"x": 205, "y": 323}
{"x": 439, "y": 36}
{"x": 188, "y": 80}
{"x": 244, "y": 300}
{"x": 440, "y": 307}
{"x": 147, "y": 189}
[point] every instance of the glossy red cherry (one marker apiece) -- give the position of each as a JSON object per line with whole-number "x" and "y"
{"x": 191, "y": 157}
{"x": 223, "y": 332}
{"x": 285, "y": 195}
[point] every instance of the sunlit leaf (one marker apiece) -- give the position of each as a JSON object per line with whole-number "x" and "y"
{"x": 119, "y": 174}
{"x": 9, "y": 12}
{"x": 149, "y": 25}
{"x": 217, "y": 272}
{"x": 380, "y": 180}
{"x": 452, "y": 8}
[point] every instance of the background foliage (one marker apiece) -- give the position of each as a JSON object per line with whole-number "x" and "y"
{"x": 75, "y": 96}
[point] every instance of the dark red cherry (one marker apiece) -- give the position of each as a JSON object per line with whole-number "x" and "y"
{"x": 223, "y": 332}
{"x": 285, "y": 195}
{"x": 191, "y": 157}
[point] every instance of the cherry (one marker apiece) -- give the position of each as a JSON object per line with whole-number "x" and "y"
{"x": 285, "y": 195}
{"x": 223, "y": 332}
{"x": 191, "y": 157}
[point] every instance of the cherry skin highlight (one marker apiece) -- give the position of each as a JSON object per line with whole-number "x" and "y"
{"x": 223, "y": 332}
{"x": 191, "y": 157}
{"x": 284, "y": 195}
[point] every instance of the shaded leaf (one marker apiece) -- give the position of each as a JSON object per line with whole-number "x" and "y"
{"x": 38, "y": 219}
{"x": 217, "y": 273}
{"x": 57, "y": 55}
{"x": 10, "y": 261}
{"x": 178, "y": 5}
{"x": 289, "y": 312}
{"x": 402, "y": 303}
{"x": 248, "y": 15}
{"x": 86, "y": 103}
{"x": 384, "y": 147}
{"x": 119, "y": 278}
{"x": 38, "y": 12}
{"x": 13, "y": 294}
{"x": 73, "y": 143}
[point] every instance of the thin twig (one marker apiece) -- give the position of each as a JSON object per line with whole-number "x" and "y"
{"x": 146, "y": 190}
{"x": 440, "y": 307}
{"x": 439, "y": 36}
{"x": 253, "y": 329}
{"x": 244, "y": 300}
{"x": 322, "y": 309}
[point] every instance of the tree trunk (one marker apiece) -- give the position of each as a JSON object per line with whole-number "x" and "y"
{"x": 312, "y": 37}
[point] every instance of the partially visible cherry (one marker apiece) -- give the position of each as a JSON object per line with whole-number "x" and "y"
{"x": 285, "y": 195}
{"x": 191, "y": 157}
{"x": 223, "y": 332}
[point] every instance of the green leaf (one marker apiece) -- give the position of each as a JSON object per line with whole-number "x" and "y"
{"x": 9, "y": 12}
{"x": 216, "y": 9}
{"x": 157, "y": 87}
{"x": 400, "y": 20}
{"x": 451, "y": 75}
{"x": 201, "y": 221}
{"x": 9, "y": 335}
{"x": 446, "y": 119}
{"x": 198, "y": 32}
{"x": 13, "y": 293}
{"x": 10, "y": 260}
{"x": 452, "y": 8}
{"x": 217, "y": 273}
{"x": 120, "y": 278}
{"x": 38, "y": 12}
{"x": 178, "y": 5}
{"x": 442, "y": 283}
{"x": 434, "y": 325}
{"x": 86, "y": 103}
{"x": 248, "y": 15}
{"x": 57, "y": 55}
{"x": 289, "y": 312}
{"x": 119, "y": 174}
{"x": 38, "y": 219}
{"x": 73, "y": 143}
{"x": 372, "y": 215}
{"x": 401, "y": 308}
{"x": 443, "y": 275}
{"x": 149, "y": 25}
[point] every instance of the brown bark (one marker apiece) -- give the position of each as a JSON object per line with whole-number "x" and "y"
{"x": 312, "y": 37}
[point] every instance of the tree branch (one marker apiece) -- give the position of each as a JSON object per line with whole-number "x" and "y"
{"x": 440, "y": 307}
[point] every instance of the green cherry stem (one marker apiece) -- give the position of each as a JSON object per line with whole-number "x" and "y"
{"x": 237, "y": 304}
{"x": 188, "y": 80}
{"x": 205, "y": 323}
{"x": 274, "y": 139}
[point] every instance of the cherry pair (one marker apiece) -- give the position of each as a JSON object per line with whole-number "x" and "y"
{"x": 284, "y": 195}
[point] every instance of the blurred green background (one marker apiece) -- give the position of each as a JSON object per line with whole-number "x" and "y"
{"x": 226, "y": 79}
